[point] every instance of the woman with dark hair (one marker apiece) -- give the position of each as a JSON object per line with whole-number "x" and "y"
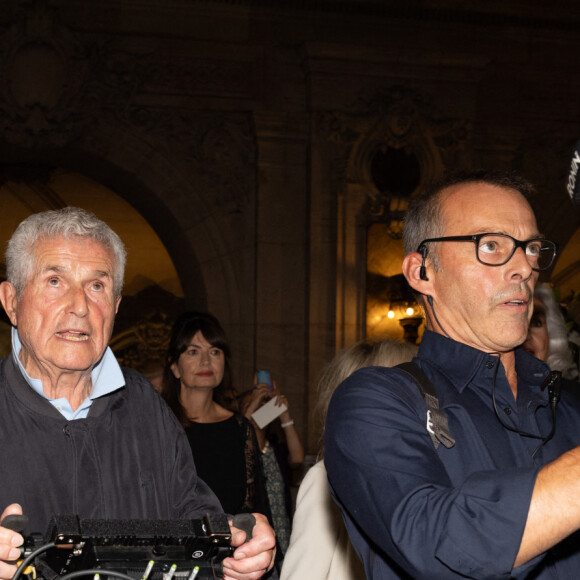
{"x": 197, "y": 385}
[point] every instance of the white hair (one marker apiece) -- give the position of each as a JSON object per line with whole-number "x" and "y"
{"x": 387, "y": 352}
{"x": 559, "y": 354}
{"x": 68, "y": 222}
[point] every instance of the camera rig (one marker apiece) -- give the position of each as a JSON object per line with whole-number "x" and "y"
{"x": 131, "y": 549}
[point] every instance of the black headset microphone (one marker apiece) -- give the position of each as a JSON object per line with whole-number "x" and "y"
{"x": 423, "y": 276}
{"x": 423, "y": 270}
{"x": 552, "y": 381}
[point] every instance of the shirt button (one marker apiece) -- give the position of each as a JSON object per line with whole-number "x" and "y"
{"x": 507, "y": 411}
{"x": 489, "y": 364}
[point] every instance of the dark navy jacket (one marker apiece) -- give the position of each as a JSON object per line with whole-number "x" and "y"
{"x": 414, "y": 512}
{"x": 129, "y": 458}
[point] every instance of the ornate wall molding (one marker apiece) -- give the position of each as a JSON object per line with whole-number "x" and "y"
{"x": 397, "y": 118}
{"x": 61, "y": 86}
{"x": 400, "y": 118}
{"x": 44, "y": 68}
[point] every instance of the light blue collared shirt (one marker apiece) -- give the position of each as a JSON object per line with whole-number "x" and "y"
{"x": 106, "y": 377}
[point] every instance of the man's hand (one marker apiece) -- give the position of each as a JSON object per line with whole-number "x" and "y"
{"x": 9, "y": 542}
{"x": 252, "y": 559}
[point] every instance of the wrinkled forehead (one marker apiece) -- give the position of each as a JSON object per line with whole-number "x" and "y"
{"x": 79, "y": 250}
{"x": 480, "y": 207}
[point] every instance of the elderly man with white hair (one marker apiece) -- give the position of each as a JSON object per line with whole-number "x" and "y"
{"x": 79, "y": 434}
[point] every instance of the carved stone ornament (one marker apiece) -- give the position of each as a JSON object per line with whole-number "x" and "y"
{"x": 60, "y": 87}
{"x": 143, "y": 345}
{"x": 43, "y": 67}
{"x": 399, "y": 118}
{"x": 219, "y": 147}
{"x": 143, "y": 328}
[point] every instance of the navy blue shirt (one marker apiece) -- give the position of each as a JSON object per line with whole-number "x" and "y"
{"x": 415, "y": 512}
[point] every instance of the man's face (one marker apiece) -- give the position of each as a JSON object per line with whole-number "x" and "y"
{"x": 66, "y": 312}
{"x": 487, "y": 307}
{"x": 537, "y": 340}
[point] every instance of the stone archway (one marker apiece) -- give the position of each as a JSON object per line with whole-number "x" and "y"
{"x": 153, "y": 296}
{"x": 96, "y": 106}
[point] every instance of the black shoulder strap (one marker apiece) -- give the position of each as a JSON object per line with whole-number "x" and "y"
{"x": 437, "y": 425}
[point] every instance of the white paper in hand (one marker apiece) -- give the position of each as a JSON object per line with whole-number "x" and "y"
{"x": 268, "y": 412}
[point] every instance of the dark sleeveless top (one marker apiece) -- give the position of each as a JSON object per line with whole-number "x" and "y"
{"x": 227, "y": 458}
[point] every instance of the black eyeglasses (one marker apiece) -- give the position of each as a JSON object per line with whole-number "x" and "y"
{"x": 497, "y": 249}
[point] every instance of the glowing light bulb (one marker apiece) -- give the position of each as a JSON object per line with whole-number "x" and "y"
{"x": 391, "y": 314}
{"x": 409, "y": 311}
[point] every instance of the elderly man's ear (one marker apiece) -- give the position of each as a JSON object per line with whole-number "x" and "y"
{"x": 418, "y": 273}
{"x": 9, "y": 300}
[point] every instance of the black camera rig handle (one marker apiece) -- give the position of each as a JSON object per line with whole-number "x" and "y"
{"x": 15, "y": 522}
{"x": 245, "y": 522}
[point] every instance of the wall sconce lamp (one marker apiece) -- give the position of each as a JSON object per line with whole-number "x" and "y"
{"x": 399, "y": 309}
{"x": 403, "y": 307}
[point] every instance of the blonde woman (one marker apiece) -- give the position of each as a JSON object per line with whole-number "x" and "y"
{"x": 319, "y": 545}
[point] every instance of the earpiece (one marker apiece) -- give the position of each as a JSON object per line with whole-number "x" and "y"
{"x": 423, "y": 270}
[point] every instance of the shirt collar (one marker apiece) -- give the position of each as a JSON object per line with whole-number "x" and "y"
{"x": 460, "y": 363}
{"x": 106, "y": 376}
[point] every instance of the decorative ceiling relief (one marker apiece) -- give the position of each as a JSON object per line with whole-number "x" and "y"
{"x": 379, "y": 153}
{"x": 43, "y": 67}
{"x": 399, "y": 130}
{"x": 63, "y": 89}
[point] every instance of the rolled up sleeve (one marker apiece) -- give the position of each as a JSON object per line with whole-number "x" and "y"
{"x": 435, "y": 514}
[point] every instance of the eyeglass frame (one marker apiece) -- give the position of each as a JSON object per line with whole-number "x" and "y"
{"x": 476, "y": 239}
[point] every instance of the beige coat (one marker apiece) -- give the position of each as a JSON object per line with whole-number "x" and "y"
{"x": 319, "y": 545}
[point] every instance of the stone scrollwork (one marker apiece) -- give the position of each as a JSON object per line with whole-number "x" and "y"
{"x": 143, "y": 328}
{"x": 43, "y": 67}
{"x": 143, "y": 346}
{"x": 399, "y": 119}
{"x": 221, "y": 148}
{"x": 60, "y": 88}
{"x": 339, "y": 135}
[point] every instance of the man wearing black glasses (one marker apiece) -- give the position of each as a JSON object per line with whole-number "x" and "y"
{"x": 503, "y": 499}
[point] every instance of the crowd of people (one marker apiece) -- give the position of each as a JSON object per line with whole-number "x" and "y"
{"x": 388, "y": 497}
